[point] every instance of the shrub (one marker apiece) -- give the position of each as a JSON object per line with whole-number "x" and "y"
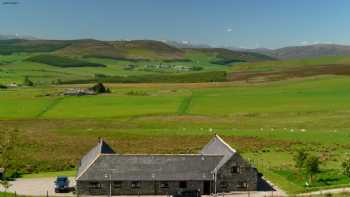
{"x": 346, "y": 167}
{"x": 197, "y": 68}
{"x": 137, "y": 93}
{"x": 27, "y": 81}
{"x": 312, "y": 164}
{"x": 3, "y": 86}
{"x": 299, "y": 158}
{"x": 130, "y": 67}
{"x": 99, "y": 88}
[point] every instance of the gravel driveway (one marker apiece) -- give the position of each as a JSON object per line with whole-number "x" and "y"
{"x": 37, "y": 187}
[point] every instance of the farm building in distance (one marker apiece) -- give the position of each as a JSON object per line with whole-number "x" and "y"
{"x": 216, "y": 168}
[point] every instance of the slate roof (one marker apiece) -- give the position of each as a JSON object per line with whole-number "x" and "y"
{"x": 101, "y": 161}
{"x": 217, "y": 146}
{"x": 101, "y": 148}
{"x": 152, "y": 167}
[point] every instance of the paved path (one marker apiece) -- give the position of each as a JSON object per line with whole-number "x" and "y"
{"x": 36, "y": 187}
{"x": 328, "y": 191}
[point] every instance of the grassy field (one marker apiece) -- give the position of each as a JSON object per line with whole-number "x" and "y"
{"x": 266, "y": 122}
{"x": 13, "y": 68}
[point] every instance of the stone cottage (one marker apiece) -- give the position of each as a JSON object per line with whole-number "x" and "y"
{"x": 216, "y": 168}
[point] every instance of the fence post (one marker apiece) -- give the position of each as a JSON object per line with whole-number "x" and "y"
{"x": 47, "y": 193}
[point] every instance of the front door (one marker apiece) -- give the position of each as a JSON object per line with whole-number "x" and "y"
{"x": 206, "y": 187}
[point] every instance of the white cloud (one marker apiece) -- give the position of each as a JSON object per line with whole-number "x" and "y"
{"x": 185, "y": 42}
{"x": 315, "y": 42}
{"x": 304, "y": 42}
{"x": 229, "y": 29}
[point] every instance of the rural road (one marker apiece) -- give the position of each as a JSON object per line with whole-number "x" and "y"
{"x": 37, "y": 187}
{"x": 329, "y": 191}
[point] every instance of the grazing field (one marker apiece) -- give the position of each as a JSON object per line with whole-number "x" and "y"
{"x": 266, "y": 122}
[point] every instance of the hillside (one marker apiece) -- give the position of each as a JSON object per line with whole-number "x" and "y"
{"x": 49, "y": 61}
{"x": 135, "y": 50}
{"x": 227, "y": 57}
{"x": 286, "y": 69}
{"x": 310, "y": 51}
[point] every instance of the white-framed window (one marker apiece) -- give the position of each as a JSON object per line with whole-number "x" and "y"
{"x": 235, "y": 169}
{"x": 164, "y": 184}
{"x": 117, "y": 184}
{"x": 242, "y": 184}
{"x": 135, "y": 184}
{"x": 182, "y": 184}
{"x": 95, "y": 185}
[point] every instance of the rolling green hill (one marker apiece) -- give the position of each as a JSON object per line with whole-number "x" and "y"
{"x": 227, "y": 57}
{"x": 48, "y": 61}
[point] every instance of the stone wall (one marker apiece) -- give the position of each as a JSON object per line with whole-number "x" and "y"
{"x": 236, "y": 175}
{"x": 126, "y": 187}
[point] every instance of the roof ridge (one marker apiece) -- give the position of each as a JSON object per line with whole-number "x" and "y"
{"x": 225, "y": 143}
{"x": 108, "y": 154}
{"x": 90, "y": 164}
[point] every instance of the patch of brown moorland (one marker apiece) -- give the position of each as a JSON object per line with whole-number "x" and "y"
{"x": 331, "y": 69}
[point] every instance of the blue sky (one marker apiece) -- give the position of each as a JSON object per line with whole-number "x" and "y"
{"x": 241, "y": 23}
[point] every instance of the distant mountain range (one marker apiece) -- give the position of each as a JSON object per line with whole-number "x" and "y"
{"x": 185, "y": 44}
{"x": 133, "y": 50}
{"x": 175, "y": 49}
{"x": 9, "y": 37}
{"x": 290, "y": 52}
{"x": 300, "y": 52}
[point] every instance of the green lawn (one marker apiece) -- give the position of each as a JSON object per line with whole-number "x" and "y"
{"x": 69, "y": 173}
